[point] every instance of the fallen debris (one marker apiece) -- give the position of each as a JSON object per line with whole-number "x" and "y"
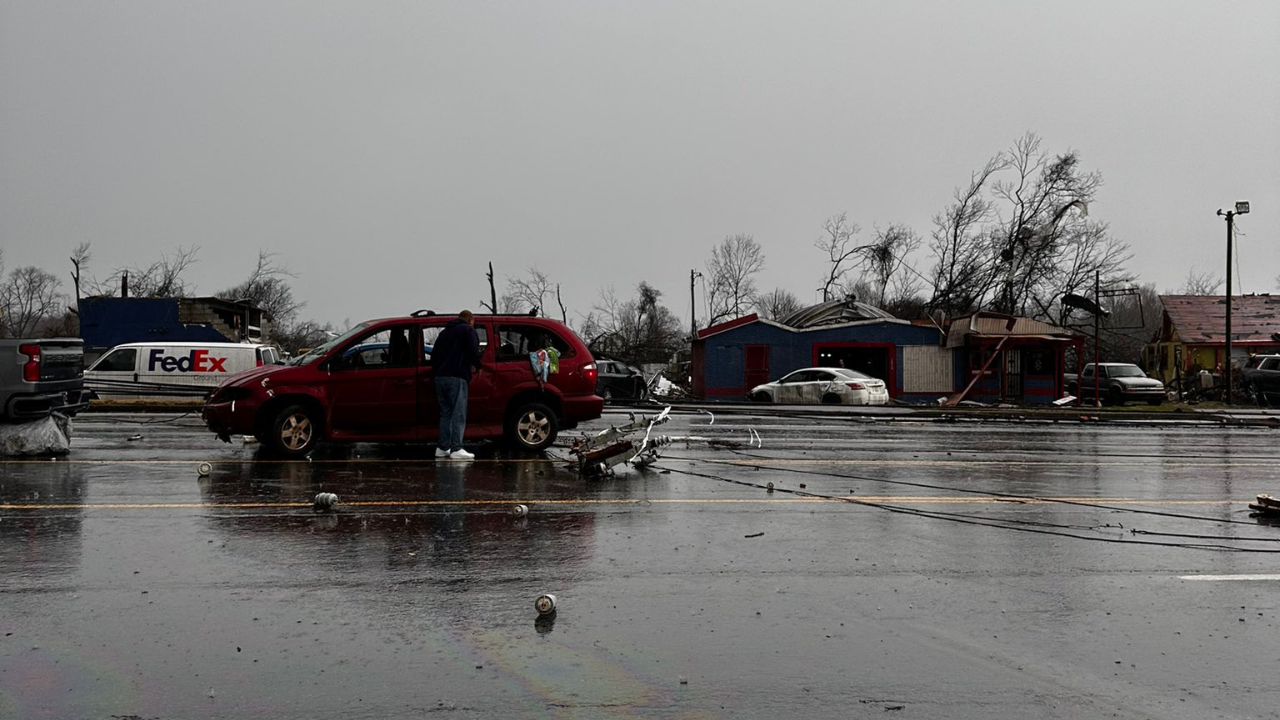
{"x": 598, "y": 454}
{"x": 545, "y": 604}
{"x": 1265, "y": 506}
{"x": 754, "y": 535}
{"x": 47, "y": 436}
{"x": 325, "y": 501}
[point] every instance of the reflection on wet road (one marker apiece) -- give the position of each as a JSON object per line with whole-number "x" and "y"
{"x": 950, "y": 570}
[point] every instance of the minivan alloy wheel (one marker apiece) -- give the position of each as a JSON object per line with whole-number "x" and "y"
{"x": 534, "y": 427}
{"x": 296, "y": 431}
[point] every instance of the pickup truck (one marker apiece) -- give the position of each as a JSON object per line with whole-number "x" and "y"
{"x": 38, "y": 377}
{"x": 1117, "y": 383}
{"x": 1261, "y": 377}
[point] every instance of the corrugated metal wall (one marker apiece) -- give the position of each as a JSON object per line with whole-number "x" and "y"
{"x": 927, "y": 369}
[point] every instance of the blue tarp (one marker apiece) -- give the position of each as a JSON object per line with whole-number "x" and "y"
{"x": 107, "y": 322}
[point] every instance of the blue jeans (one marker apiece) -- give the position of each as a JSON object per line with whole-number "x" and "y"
{"x": 452, "y": 393}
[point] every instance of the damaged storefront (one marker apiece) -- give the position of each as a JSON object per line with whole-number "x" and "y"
{"x": 732, "y": 357}
{"x": 1011, "y": 359}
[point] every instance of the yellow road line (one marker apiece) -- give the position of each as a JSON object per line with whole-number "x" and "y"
{"x": 907, "y": 499}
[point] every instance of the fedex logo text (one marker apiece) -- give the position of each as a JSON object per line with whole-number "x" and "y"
{"x": 196, "y": 361}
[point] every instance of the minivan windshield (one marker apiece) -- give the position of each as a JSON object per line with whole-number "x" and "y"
{"x": 323, "y": 349}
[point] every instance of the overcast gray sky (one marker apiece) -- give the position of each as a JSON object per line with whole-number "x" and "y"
{"x": 389, "y": 150}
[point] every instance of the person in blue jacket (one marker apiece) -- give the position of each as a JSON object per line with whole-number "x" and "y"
{"x": 455, "y": 355}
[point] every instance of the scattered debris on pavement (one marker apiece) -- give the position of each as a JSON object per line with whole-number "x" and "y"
{"x": 325, "y": 502}
{"x": 598, "y": 454}
{"x": 1265, "y": 506}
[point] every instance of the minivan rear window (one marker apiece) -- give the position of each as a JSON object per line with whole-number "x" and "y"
{"x": 517, "y": 341}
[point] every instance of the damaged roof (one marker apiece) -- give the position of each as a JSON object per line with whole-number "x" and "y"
{"x": 834, "y": 312}
{"x": 987, "y": 324}
{"x": 1203, "y": 318}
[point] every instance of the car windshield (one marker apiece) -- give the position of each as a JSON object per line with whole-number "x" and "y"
{"x": 1123, "y": 371}
{"x": 323, "y": 349}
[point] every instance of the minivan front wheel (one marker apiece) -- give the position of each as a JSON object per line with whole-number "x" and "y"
{"x": 294, "y": 432}
{"x": 532, "y": 427}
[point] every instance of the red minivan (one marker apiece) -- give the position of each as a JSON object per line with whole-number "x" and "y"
{"x": 374, "y": 383}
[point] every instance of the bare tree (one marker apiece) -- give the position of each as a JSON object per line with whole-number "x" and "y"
{"x": 638, "y": 330}
{"x": 887, "y": 258}
{"x": 162, "y": 278}
{"x": 731, "y": 288}
{"x": 29, "y": 297}
{"x": 1201, "y": 283}
{"x": 777, "y": 304}
{"x": 962, "y": 271}
{"x": 528, "y": 293}
{"x": 302, "y": 335}
{"x": 268, "y": 288}
{"x": 861, "y": 288}
{"x": 1022, "y": 250}
{"x": 80, "y": 258}
{"x": 842, "y": 253}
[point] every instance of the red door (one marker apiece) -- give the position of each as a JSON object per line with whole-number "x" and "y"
{"x": 757, "y": 366}
{"x": 371, "y": 386}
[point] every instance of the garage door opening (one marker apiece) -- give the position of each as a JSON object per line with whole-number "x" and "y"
{"x": 873, "y": 360}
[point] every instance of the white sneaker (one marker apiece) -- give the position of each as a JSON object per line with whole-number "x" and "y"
{"x": 442, "y": 453}
{"x": 461, "y": 454}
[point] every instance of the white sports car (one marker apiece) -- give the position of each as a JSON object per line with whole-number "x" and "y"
{"x": 834, "y": 386}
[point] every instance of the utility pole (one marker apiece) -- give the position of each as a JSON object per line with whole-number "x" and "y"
{"x": 693, "y": 307}
{"x": 1241, "y": 208}
{"x": 1097, "y": 330}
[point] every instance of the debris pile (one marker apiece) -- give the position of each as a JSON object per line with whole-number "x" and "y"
{"x": 599, "y": 454}
{"x": 47, "y": 436}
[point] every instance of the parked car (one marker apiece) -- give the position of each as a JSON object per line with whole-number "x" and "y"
{"x": 621, "y": 381}
{"x": 174, "y": 368}
{"x": 833, "y": 386}
{"x": 1117, "y": 383}
{"x": 351, "y": 389}
{"x": 39, "y": 377}
{"x": 1261, "y": 377}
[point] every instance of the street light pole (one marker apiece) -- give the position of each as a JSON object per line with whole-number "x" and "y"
{"x": 1242, "y": 207}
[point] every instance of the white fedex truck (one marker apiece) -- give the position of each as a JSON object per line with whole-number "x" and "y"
{"x": 175, "y": 368}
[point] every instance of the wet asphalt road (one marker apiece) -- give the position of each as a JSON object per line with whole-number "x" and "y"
{"x": 975, "y": 576}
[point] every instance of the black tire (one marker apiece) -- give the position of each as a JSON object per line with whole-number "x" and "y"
{"x": 1115, "y": 397}
{"x": 761, "y": 397}
{"x": 607, "y": 395}
{"x": 532, "y": 427}
{"x": 294, "y": 432}
{"x": 1154, "y": 401}
{"x": 830, "y": 399}
{"x": 1073, "y": 390}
